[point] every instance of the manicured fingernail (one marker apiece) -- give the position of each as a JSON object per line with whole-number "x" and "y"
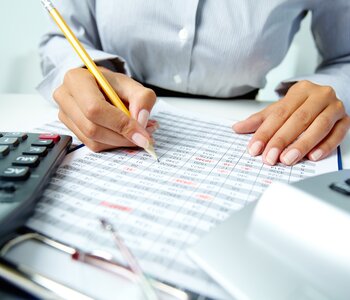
{"x": 291, "y": 157}
{"x": 316, "y": 155}
{"x": 272, "y": 156}
{"x": 143, "y": 117}
{"x": 255, "y": 148}
{"x": 140, "y": 140}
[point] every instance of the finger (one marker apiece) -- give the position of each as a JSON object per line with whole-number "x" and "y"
{"x": 316, "y": 132}
{"x": 82, "y": 86}
{"x": 333, "y": 140}
{"x": 90, "y": 130}
{"x": 276, "y": 115}
{"x": 249, "y": 125}
{"x": 140, "y": 99}
{"x": 295, "y": 125}
{"x": 92, "y": 145}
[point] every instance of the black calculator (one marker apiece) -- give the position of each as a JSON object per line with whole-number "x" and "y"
{"x": 27, "y": 162}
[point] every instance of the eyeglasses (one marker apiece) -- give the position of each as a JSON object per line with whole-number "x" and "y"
{"x": 48, "y": 288}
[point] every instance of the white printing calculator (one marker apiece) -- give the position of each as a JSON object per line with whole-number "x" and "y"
{"x": 293, "y": 243}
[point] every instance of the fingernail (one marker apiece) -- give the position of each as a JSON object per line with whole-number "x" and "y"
{"x": 316, "y": 155}
{"x": 143, "y": 117}
{"x": 291, "y": 157}
{"x": 140, "y": 140}
{"x": 255, "y": 148}
{"x": 272, "y": 156}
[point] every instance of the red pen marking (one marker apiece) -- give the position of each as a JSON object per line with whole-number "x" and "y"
{"x": 204, "y": 196}
{"x": 246, "y": 168}
{"x": 116, "y": 206}
{"x": 223, "y": 171}
{"x": 129, "y": 169}
{"x": 267, "y": 181}
{"x": 130, "y": 152}
{"x": 204, "y": 160}
{"x": 185, "y": 182}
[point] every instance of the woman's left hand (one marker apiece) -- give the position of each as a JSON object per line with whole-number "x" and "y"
{"x": 310, "y": 121}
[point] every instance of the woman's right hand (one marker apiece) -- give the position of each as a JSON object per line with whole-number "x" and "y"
{"x": 97, "y": 123}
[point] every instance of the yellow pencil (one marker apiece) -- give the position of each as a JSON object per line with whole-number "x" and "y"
{"x": 90, "y": 64}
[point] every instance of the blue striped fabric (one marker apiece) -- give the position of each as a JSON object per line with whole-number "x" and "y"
{"x": 219, "y": 48}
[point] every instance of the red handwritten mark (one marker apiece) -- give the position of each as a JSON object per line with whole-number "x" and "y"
{"x": 130, "y": 152}
{"x": 267, "y": 181}
{"x": 204, "y": 160}
{"x": 223, "y": 171}
{"x": 246, "y": 168}
{"x": 204, "y": 197}
{"x": 129, "y": 169}
{"x": 185, "y": 182}
{"x": 116, "y": 206}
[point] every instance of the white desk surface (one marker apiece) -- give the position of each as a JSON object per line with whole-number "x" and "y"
{"x": 20, "y": 112}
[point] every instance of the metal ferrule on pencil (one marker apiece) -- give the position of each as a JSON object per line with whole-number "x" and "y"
{"x": 48, "y": 5}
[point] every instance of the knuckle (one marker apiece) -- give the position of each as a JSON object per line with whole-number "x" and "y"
{"x": 262, "y": 135}
{"x": 325, "y": 122}
{"x": 92, "y": 109}
{"x": 125, "y": 126}
{"x": 303, "y": 116}
{"x": 280, "y": 112}
{"x": 70, "y": 75}
{"x": 95, "y": 147}
{"x": 340, "y": 106}
{"x": 147, "y": 94}
{"x": 328, "y": 91}
{"x": 304, "y": 84}
{"x": 150, "y": 94}
{"x": 280, "y": 141}
{"x": 91, "y": 131}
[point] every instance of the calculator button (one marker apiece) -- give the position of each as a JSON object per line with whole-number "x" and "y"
{"x": 46, "y": 143}
{"x": 5, "y": 141}
{"x": 8, "y": 187}
{"x": 41, "y": 151}
{"x": 341, "y": 187}
{"x": 26, "y": 160}
{"x": 15, "y": 173}
{"x": 1, "y": 135}
{"x": 20, "y": 135}
{"x": 50, "y": 136}
{"x": 4, "y": 150}
{"x": 347, "y": 181}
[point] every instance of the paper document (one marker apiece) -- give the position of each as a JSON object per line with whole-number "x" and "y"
{"x": 57, "y": 127}
{"x": 204, "y": 174}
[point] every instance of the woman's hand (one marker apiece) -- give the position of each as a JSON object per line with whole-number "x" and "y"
{"x": 309, "y": 121}
{"x": 98, "y": 124}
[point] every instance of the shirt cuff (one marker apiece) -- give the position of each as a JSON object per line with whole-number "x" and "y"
{"x": 338, "y": 84}
{"x": 55, "y": 77}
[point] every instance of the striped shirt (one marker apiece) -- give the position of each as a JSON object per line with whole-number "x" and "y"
{"x": 220, "y": 48}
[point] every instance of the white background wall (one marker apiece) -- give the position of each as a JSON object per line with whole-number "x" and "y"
{"x": 21, "y": 25}
{"x": 23, "y": 22}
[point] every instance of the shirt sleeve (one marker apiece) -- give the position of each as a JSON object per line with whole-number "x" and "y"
{"x": 58, "y": 56}
{"x": 331, "y": 31}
